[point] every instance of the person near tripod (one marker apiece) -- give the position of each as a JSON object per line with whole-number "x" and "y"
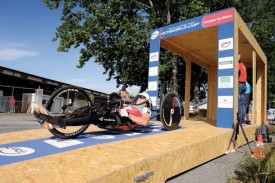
{"x": 242, "y": 89}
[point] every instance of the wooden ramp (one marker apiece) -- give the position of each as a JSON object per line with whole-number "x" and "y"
{"x": 157, "y": 157}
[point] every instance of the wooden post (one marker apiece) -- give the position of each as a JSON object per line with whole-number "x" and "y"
{"x": 261, "y": 93}
{"x": 187, "y": 88}
{"x": 212, "y": 94}
{"x": 254, "y": 84}
{"x": 265, "y": 92}
{"x": 236, "y": 70}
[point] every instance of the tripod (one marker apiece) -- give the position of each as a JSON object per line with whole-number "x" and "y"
{"x": 235, "y": 134}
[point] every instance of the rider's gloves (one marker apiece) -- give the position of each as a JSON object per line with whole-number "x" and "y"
{"x": 123, "y": 113}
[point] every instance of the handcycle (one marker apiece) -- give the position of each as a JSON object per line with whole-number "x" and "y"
{"x": 73, "y": 102}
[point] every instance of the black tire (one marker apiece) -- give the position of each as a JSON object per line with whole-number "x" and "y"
{"x": 170, "y": 111}
{"x": 64, "y": 102}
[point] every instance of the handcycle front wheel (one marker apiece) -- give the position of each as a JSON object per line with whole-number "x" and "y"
{"x": 69, "y": 102}
{"x": 170, "y": 111}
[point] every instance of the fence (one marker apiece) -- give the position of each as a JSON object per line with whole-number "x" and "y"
{"x": 19, "y": 107}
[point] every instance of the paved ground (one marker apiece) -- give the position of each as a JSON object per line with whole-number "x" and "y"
{"x": 215, "y": 171}
{"x": 11, "y": 122}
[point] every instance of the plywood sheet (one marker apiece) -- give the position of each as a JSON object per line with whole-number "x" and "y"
{"x": 165, "y": 154}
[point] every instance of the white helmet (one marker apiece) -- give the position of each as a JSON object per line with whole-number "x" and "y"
{"x": 147, "y": 98}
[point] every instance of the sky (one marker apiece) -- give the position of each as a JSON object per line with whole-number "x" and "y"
{"x": 26, "y": 32}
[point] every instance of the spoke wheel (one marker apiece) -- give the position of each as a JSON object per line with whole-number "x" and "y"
{"x": 69, "y": 102}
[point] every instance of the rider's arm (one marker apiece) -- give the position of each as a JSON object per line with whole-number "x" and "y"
{"x": 143, "y": 120}
{"x": 125, "y": 95}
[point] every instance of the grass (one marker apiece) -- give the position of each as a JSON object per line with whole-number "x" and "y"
{"x": 271, "y": 129}
{"x": 256, "y": 170}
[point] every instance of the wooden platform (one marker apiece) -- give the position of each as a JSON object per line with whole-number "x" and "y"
{"x": 161, "y": 156}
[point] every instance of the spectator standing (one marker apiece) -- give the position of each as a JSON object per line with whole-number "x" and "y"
{"x": 247, "y": 100}
{"x": 241, "y": 92}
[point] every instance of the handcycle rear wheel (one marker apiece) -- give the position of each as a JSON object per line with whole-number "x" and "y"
{"x": 69, "y": 102}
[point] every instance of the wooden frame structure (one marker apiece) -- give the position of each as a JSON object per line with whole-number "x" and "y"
{"x": 214, "y": 41}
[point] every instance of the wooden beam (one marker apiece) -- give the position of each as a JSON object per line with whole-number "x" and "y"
{"x": 254, "y": 84}
{"x": 261, "y": 93}
{"x": 251, "y": 39}
{"x": 187, "y": 88}
{"x": 168, "y": 45}
{"x": 212, "y": 94}
{"x": 265, "y": 92}
{"x": 236, "y": 70}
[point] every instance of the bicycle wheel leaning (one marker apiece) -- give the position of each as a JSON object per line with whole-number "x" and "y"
{"x": 69, "y": 102}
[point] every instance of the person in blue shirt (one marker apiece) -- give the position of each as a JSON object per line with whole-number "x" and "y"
{"x": 247, "y": 99}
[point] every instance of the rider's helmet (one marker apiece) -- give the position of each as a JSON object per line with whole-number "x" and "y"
{"x": 145, "y": 96}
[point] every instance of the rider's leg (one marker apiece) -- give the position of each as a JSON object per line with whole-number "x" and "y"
{"x": 42, "y": 113}
{"x": 94, "y": 117}
{"x": 46, "y": 116}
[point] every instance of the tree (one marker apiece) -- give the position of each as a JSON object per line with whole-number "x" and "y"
{"x": 259, "y": 16}
{"x": 116, "y": 33}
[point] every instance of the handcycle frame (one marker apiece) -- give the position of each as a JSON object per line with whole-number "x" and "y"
{"x": 72, "y": 96}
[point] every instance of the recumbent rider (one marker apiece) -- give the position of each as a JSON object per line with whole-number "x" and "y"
{"x": 139, "y": 113}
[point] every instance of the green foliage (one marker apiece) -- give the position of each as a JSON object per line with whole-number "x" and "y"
{"x": 259, "y": 16}
{"x": 257, "y": 169}
{"x": 115, "y": 33}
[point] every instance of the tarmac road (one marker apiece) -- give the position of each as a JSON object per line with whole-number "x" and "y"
{"x": 11, "y": 122}
{"x": 215, "y": 171}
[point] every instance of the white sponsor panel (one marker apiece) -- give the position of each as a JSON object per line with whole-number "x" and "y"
{"x": 225, "y": 82}
{"x": 61, "y": 143}
{"x": 153, "y": 86}
{"x": 154, "y": 35}
{"x": 155, "y": 130}
{"x": 132, "y": 134}
{"x": 154, "y": 101}
{"x": 226, "y": 44}
{"x": 156, "y": 126}
{"x": 225, "y": 101}
{"x": 102, "y": 137}
{"x": 15, "y": 151}
{"x": 153, "y": 71}
{"x": 226, "y": 63}
{"x": 154, "y": 56}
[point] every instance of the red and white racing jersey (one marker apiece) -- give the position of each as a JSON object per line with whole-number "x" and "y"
{"x": 137, "y": 110}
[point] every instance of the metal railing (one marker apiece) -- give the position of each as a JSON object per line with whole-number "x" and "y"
{"x": 18, "y": 107}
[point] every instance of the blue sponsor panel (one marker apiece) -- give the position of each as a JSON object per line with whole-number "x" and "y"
{"x": 181, "y": 27}
{"x": 152, "y": 78}
{"x": 197, "y": 23}
{"x": 227, "y": 117}
{"x": 153, "y": 73}
{"x": 226, "y": 66}
{"x": 225, "y": 92}
{"x": 227, "y": 72}
{"x": 153, "y": 64}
